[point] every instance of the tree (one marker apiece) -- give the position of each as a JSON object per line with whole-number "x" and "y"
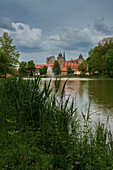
{"x": 56, "y": 68}
{"x": 109, "y": 62}
{"x": 44, "y": 70}
{"x": 4, "y": 63}
{"x": 8, "y": 54}
{"x": 41, "y": 71}
{"x": 96, "y": 60}
{"x": 69, "y": 70}
{"x": 31, "y": 67}
{"x": 82, "y": 67}
{"x": 22, "y": 67}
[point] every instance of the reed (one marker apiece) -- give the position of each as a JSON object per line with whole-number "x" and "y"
{"x": 40, "y": 129}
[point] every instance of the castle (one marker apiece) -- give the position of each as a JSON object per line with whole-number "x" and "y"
{"x": 62, "y": 63}
{"x": 60, "y": 59}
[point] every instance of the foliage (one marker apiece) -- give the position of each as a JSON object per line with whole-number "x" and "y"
{"x": 56, "y": 68}
{"x": 109, "y": 62}
{"x": 22, "y": 67}
{"x": 4, "y": 63}
{"x": 69, "y": 70}
{"x": 82, "y": 67}
{"x": 96, "y": 59}
{"x": 40, "y": 129}
{"x": 43, "y": 70}
{"x": 31, "y": 67}
{"x": 8, "y": 54}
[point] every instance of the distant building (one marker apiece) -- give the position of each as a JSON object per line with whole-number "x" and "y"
{"x": 37, "y": 72}
{"x": 63, "y": 63}
{"x": 50, "y": 60}
{"x": 73, "y": 64}
{"x": 60, "y": 60}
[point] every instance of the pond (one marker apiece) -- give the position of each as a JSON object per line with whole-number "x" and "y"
{"x": 97, "y": 92}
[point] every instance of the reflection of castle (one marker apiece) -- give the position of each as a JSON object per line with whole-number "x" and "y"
{"x": 63, "y": 63}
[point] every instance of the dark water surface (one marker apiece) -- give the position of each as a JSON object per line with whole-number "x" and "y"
{"x": 97, "y": 92}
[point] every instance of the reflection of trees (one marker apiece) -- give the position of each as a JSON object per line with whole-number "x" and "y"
{"x": 53, "y": 86}
{"x": 72, "y": 87}
{"x": 75, "y": 87}
{"x": 82, "y": 87}
{"x": 101, "y": 91}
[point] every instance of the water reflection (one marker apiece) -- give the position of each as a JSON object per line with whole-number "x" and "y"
{"x": 101, "y": 91}
{"x": 98, "y": 92}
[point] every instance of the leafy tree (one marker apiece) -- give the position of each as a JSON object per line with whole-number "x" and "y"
{"x": 8, "y": 54}
{"x": 4, "y": 63}
{"x": 56, "y": 68}
{"x": 22, "y": 67}
{"x": 43, "y": 70}
{"x": 109, "y": 62}
{"x": 31, "y": 67}
{"x": 96, "y": 60}
{"x": 69, "y": 70}
{"x": 82, "y": 67}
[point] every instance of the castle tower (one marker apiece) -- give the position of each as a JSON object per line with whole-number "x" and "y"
{"x": 50, "y": 60}
{"x": 64, "y": 56}
{"x": 80, "y": 59}
{"x": 60, "y": 60}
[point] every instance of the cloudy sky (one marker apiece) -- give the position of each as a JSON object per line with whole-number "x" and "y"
{"x": 41, "y": 28}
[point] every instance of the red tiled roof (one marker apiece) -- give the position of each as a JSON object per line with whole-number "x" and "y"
{"x": 40, "y": 66}
{"x": 64, "y": 69}
{"x": 72, "y": 65}
{"x": 51, "y": 65}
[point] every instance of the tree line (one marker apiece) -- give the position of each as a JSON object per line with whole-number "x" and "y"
{"x": 99, "y": 61}
{"x": 9, "y": 56}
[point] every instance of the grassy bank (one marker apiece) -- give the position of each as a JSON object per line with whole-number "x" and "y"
{"x": 40, "y": 130}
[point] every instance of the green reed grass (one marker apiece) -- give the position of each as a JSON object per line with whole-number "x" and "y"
{"x": 40, "y": 129}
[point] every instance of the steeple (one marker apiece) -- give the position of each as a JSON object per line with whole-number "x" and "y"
{"x": 64, "y": 56}
{"x": 80, "y": 56}
{"x": 60, "y": 54}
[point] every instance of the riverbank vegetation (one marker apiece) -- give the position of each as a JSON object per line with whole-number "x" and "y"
{"x": 100, "y": 60}
{"x": 40, "y": 129}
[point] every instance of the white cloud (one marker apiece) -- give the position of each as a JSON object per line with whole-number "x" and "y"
{"x": 72, "y": 40}
{"x": 24, "y": 36}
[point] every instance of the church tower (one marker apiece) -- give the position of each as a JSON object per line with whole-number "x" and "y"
{"x": 60, "y": 60}
{"x": 64, "y": 56}
{"x": 80, "y": 59}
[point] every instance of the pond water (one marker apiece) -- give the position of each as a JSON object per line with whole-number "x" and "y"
{"x": 97, "y": 92}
